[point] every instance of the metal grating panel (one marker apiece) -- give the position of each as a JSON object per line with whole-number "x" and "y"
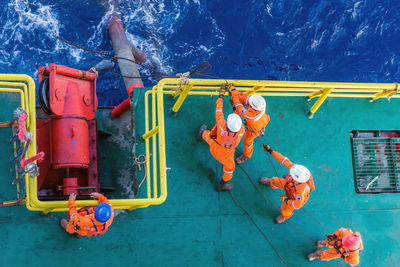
{"x": 376, "y": 161}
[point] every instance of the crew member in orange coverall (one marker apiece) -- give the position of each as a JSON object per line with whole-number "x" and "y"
{"x": 297, "y": 185}
{"x": 344, "y": 243}
{"x": 223, "y": 140}
{"x": 255, "y": 119}
{"x": 88, "y": 221}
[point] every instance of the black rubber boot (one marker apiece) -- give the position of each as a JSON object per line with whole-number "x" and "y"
{"x": 224, "y": 186}
{"x": 201, "y": 130}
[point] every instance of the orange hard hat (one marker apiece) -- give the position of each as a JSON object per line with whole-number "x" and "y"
{"x": 351, "y": 242}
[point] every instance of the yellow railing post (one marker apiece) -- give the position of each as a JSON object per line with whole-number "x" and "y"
{"x": 385, "y": 93}
{"x": 185, "y": 91}
{"x": 254, "y": 90}
{"x": 324, "y": 94}
{"x": 150, "y": 133}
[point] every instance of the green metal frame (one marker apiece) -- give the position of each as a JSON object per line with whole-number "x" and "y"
{"x": 392, "y": 169}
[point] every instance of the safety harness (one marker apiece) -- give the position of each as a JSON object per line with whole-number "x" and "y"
{"x": 260, "y": 132}
{"x": 337, "y": 244}
{"x": 87, "y": 212}
{"x": 290, "y": 187}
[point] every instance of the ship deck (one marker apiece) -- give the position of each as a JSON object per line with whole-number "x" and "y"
{"x": 198, "y": 226}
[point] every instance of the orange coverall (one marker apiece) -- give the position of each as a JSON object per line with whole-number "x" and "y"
{"x": 226, "y": 156}
{"x": 83, "y": 222}
{"x": 301, "y": 191}
{"x": 351, "y": 257}
{"x": 254, "y": 127}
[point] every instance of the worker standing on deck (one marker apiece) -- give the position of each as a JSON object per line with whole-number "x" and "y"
{"x": 255, "y": 119}
{"x": 297, "y": 184}
{"x": 344, "y": 243}
{"x": 88, "y": 221}
{"x": 223, "y": 140}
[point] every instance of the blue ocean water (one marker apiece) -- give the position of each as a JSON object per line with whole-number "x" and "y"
{"x": 342, "y": 40}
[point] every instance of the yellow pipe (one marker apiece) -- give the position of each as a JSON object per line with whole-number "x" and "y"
{"x": 255, "y": 89}
{"x": 319, "y": 102}
{"x": 182, "y": 97}
{"x": 386, "y": 93}
{"x": 154, "y": 140}
{"x": 13, "y": 90}
{"x": 25, "y": 90}
{"x": 146, "y": 127}
{"x": 150, "y": 133}
{"x": 161, "y": 144}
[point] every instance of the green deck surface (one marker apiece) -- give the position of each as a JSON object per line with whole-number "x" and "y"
{"x": 197, "y": 226}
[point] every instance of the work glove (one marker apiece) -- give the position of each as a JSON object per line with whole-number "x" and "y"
{"x": 222, "y": 90}
{"x": 72, "y": 196}
{"x": 283, "y": 198}
{"x": 262, "y": 132}
{"x": 267, "y": 148}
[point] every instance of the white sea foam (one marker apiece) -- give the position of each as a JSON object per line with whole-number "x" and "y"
{"x": 26, "y": 21}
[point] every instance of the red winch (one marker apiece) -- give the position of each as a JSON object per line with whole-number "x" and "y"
{"x": 68, "y": 138}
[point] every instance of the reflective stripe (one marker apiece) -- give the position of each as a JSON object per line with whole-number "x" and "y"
{"x": 284, "y": 160}
{"x": 294, "y": 206}
{"x": 238, "y": 105}
{"x": 70, "y": 217}
{"x": 228, "y": 172}
{"x": 240, "y": 134}
{"x": 272, "y": 186}
{"x": 218, "y": 110}
{"x": 207, "y": 137}
{"x": 250, "y": 117}
{"x": 249, "y": 145}
{"x": 304, "y": 189}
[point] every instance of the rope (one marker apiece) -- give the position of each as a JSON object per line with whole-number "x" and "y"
{"x": 139, "y": 163}
{"x": 258, "y": 228}
{"x": 199, "y": 69}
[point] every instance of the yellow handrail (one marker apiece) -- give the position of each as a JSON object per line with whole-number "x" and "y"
{"x": 311, "y": 90}
{"x": 14, "y": 81}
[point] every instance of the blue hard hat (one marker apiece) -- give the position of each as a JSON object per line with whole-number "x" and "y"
{"x": 103, "y": 212}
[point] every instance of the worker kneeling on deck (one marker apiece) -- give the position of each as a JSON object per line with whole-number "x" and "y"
{"x": 255, "y": 119}
{"x": 297, "y": 185}
{"x": 344, "y": 243}
{"x": 223, "y": 140}
{"x": 88, "y": 221}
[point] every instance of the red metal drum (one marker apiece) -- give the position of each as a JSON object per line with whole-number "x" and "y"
{"x": 69, "y": 143}
{"x": 70, "y": 185}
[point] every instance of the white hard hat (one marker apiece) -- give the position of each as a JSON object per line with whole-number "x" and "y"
{"x": 234, "y": 122}
{"x": 300, "y": 173}
{"x": 257, "y": 102}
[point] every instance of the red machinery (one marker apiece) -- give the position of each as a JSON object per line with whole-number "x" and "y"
{"x": 68, "y": 138}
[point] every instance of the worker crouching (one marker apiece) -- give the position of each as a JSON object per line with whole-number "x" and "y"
{"x": 344, "y": 243}
{"x": 223, "y": 140}
{"x": 255, "y": 119}
{"x": 297, "y": 184}
{"x": 88, "y": 221}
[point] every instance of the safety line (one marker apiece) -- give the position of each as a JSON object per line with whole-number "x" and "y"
{"x": 267, "y": 198}
{"x": 258, "y": 228}
{"x": 199, "y": 69}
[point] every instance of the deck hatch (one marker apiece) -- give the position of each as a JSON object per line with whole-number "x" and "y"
{"x": 376, "y": 161}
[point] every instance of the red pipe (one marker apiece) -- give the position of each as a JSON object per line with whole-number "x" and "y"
{"x": 126, "y": 105}
{"x": 66, "y": 71}
{"x": 121, "y": 108}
